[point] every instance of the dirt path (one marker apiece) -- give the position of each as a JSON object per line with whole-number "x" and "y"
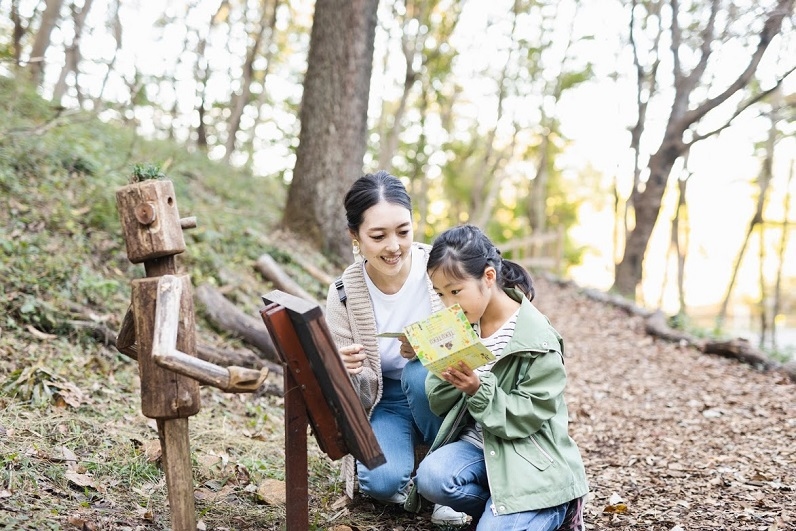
{"x": 686, "y": 441}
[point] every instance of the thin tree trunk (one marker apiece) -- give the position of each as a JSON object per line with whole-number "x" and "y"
{"x": 203, "y": 76}
{"x": 411, "y": 45}
{"x": 783, "y": 244}
{"x": 764, "y": 180}
{"x": 761, "y": 276}
{"x": 18, "y": 32}
{"x": 484, "y": 181}
{"x": 240, "y": 101}
{"x": 72, "y": 52}
{"x": 682, "y": 242}
{"x": 263, "y": 96}
{"x": 99, "y": 102}
{"x": 50, "y": 17}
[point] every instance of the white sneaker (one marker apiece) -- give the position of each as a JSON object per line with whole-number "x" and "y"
{"x": 443, "y": 515}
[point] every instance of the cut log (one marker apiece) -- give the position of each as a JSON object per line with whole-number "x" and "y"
{"x": 790, "y": 370}
{"x": 740, "y": 349}
{"x": 273, "y": 272}
{"x": 225, "y": 316}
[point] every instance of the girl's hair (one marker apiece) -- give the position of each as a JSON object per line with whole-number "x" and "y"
{"x": 464, "y": 252}
{"x": 371, "y": 189}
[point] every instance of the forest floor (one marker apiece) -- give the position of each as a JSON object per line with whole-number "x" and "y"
{"x": 672, "y": 439}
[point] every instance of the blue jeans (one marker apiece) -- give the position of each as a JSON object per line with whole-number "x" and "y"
{"x": 455, "y": 475}
{"x": 401, "y": 420}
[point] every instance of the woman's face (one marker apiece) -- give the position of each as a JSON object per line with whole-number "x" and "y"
{"x": 472, "y": 294}
{"x": 385, "y": 239}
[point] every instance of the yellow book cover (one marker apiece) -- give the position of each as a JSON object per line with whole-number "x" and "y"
{"x": 445, "y": 338}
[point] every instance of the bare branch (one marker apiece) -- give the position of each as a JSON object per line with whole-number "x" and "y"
{"x": 741, "y": 108}
{"x": 771, "y": 27}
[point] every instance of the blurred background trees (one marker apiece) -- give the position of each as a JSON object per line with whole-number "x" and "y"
{"x": 528, "y": 118}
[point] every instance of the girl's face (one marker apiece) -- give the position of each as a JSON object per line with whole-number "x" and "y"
{"x": 385, "y": 239}
{"x": 472, "y": 294}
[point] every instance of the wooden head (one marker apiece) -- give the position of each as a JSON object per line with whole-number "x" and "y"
{"x": 150, "y": 220}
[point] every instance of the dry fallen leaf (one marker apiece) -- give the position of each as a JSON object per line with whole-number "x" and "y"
{"x": 81, "y": 480}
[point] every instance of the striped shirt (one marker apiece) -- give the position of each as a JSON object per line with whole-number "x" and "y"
{"x": 496, "y": 343}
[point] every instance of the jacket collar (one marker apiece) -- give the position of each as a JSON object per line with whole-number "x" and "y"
{"x": 533, "y": 333}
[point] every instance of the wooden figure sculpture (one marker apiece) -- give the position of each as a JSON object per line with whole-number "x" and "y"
{"x": 159, "y": 331}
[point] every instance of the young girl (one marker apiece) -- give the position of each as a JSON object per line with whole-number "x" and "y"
{"x": 503, "y": 454}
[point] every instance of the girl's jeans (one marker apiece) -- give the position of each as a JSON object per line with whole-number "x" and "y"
{"x": 455, "y": 475}
{"x": 401, "y": 420}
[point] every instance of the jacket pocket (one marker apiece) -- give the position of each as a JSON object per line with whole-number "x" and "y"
{"x": 530, "y": 450}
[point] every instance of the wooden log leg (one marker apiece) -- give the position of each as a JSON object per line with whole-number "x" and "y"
{"x": 174, "y": 445}
{"x": 297, "y": 487}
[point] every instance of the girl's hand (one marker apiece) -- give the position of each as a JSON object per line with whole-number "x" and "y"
{"x": 406, "y": 349}
{"x": 353, "y": 357}
{"x": 462, "y": 378}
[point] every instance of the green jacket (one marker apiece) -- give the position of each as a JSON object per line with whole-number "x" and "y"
{"x": 531, "y": 461}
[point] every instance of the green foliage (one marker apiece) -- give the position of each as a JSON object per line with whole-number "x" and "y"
{"x": 145, "y": 172}
{"x": 60, "y": 239}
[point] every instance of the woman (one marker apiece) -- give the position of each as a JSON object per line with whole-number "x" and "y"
{"x": 385, "y": 289}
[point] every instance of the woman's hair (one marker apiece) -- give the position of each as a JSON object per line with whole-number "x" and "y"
{"x": 371, "y": 189}
{"x": 464, "y": 252}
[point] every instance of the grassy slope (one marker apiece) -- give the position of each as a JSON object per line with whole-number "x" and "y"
{"x": 74, "y": 449}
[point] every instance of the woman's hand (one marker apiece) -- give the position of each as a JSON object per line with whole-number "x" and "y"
{"x": 353, "y": 357}
{"x": 406, "y": 349}
{"x": 462, "y": 378}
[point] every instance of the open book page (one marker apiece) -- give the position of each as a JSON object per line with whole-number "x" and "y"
{"x": 445, "y": 338}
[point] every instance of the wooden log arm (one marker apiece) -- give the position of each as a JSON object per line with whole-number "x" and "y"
{"x": 166, "y": 355}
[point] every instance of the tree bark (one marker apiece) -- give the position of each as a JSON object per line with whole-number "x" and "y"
{"x": 269, "y": 269}
{"x": 228, "y": 318}
{"x": 333, "y": 117}
{"x": 52, "y": 12}
{"x": 72, "y": 53}
{"x": 240, "y": 101}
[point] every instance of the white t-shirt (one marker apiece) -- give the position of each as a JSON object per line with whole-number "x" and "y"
{"x": 393, "y": 312}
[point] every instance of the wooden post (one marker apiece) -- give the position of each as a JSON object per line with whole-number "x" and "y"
{"x": 318, "y": 393}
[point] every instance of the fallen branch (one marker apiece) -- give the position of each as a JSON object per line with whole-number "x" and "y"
{"x": 227, "y": 318}
{"x": 655, "y": 325}
{"x": 223, "y": 357}
{"x": 740, "y": 349}
{"x": 273, "y": 272}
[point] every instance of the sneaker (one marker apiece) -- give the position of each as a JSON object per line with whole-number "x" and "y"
{"x": 443, "y": 515}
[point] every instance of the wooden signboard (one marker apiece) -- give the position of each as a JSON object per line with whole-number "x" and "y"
{"x": 336, "y": 415}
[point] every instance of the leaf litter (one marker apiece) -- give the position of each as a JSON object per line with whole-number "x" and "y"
{"x": 672, "y": 439}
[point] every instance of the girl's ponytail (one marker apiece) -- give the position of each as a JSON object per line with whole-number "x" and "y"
{"x": 513, "y": 275}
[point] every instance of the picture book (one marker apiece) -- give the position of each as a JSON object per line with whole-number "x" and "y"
{"x": 445, "y": 338}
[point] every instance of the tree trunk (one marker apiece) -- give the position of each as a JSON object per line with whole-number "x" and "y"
{"x": 764, "y": 180}
{"x": 18, "y": 32}
{"x": 72, "y": 52}
{"x": 52, "y": 12}
{"x": 333, "y": 118}
{"x": 683, "y": 116}
{"x": 628, "y": 271}
{"x": 783, "y": 244}
{"x": 240, "y": 101}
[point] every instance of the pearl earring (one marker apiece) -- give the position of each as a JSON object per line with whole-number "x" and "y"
{"x": 356, "y": 250}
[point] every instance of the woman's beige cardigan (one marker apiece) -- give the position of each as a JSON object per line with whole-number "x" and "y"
{"x": 355, "y": 322}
